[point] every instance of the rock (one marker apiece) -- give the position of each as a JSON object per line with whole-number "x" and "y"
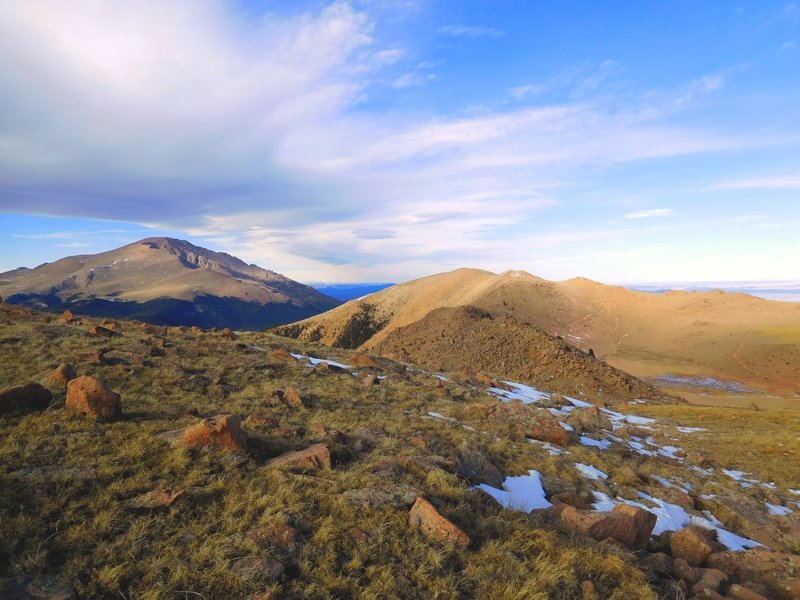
{"x": 362, "y": 360}
{"x": 521, "y": 420}
{"x": 283, "y": 355}
{"x": 281, "y": 536}
{"x": 631, "y": 526}
{"x": 91, "y": 356}
{"x": 418, "y": 442}
{"x": 683, "y": 570}
{"x": 154, "y": 500}
{"x": 701, "y": 592}
{"x": 474, "y": 465}
{"x": 256, "y": 566}
{"x": 62, "y": 374}
{"x": 661, "y": 563}
{"x": 100, "y": 331}
{"x": 45, "y": 588}
{"x": 228, "y": 334}
{"x": 426, "y": 518}
{"x": 739, "y": 592}
{"x": 314, "y": 457}
{"x": 692, "y": 543}
{"x": 24, "y": 398}
{"x": 221, "y": 432}
{"x": 398, "y": 496}
{"x": 712, "y": 579}
{"x": 67, "y": 316}
{"x": 292, "y": 398}
{"x": 90, "y": 396}
{"x": 590, "y": 420}
{"x": 110, "y": 324}
{"x": 572, "y": 499}
{"x": 588, "y": 590}
{"x": 368, "y": 379}
{"x": 776, "y": 571}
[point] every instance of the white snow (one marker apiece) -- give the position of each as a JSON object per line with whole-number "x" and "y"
{"x": 566, "y": 426}
{"x": 691, "y": 429}
{"x": 437, "y": 415}
{"x": 615, "y": 416}
{"x": 591, "y": 472}
{"x": 737, "y": 475}
{"x": 519, "y": 391}
{"x": 579, "y": 403}
{"x": 602, "y": 444}
{"x": 795, "y": 492}
{"x": 777, "y": 511}
{"x": 315, "y": 361}
{"x": 524, "y": 493}
{"x": 551, "y": 449}
{"x": 671, "y": 517}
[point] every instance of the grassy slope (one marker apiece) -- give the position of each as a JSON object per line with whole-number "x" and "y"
{"x": 65, "y": 480}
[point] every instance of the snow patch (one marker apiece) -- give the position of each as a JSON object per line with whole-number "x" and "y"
{"x": 524, "y": 493}
{"x": 591, "y": 472}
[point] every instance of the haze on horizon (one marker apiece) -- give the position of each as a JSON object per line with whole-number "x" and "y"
{"x": 386, "y": 140}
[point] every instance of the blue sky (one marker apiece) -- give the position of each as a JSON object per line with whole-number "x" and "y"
{"x": 390, "y": 139}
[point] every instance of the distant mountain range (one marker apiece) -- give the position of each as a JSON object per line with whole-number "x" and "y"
{"x": 349, "y": 291}
{"x": 166, "y": 281}
{"x": 715, "y": 334}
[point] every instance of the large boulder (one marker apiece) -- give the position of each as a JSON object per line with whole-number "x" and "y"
{"x": 312, "y": 458}
{"x": 24, "y": 398}
{"x": 631, "y": 526}
{"x": 91, "y": 396}
{"x": 221, "y": 432}
{"x": 100, "y": 331}
{"x": 475, "y": 465}
{"x": 426, "y": 518}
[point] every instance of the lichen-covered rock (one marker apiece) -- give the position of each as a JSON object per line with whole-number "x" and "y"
{"x": 692, "y": 543}
{"x": 631, "y": 526}
{"x": 312, "y": 458}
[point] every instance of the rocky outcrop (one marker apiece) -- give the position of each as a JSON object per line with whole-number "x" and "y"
{"x": 475, "y": 465}
{"x": 691, "y": 543}
{"x": 62, "y": 374}
{"x": 426, "y": 518}
{"x": 24, "y": 398}
{"x": 522, "y": 420}
{"x": 91, "y": 396}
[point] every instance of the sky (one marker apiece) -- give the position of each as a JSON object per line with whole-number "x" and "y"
{"x": 383, "y": 140}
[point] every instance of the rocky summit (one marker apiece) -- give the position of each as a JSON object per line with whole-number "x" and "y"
{"x": 165, "y": 281}
{"x": 182, "y": 462}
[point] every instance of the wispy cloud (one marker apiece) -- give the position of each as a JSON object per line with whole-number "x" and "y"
{"x": 470, "y": 31}
{"x": 650, "y": 213}
{"x": 785, "y": 182}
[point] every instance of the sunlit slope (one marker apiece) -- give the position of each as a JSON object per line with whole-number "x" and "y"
{"x": 717, "y": 334}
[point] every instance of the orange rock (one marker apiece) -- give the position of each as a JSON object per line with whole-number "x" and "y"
{"x": 292, "y": 398}
{"x": 227, "y": 333}
{"x": 264, "y": 421}
{"x": 281, "y": 536}
{"x": 692, "y": 543}
{"x": 282, "y": 354}
{"x": 67, "y": 316}
{"x": 362, "y": 360}
{"x": 314, "y": 457}
{"x": 426, "y": 518}
{"x": 24, "y": 398}
{"x": 62, "y": 374}
{"x": 90, "y": 396}
{"x": 154, "y": 500}
{"x": 629, "y": 525}
{"x": 99, "y": 331}
{"x": 222, "y": 431}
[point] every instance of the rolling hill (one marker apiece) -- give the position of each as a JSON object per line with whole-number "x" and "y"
{"x": 166, "y": 281}
{"x": 727, "y": 336}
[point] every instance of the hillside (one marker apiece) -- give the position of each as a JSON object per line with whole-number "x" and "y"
{"x": 157, "y": 462}
{"x": 449, "y": 339}
{"x": 165, "y": 281}
{"x": 727, "y": 336}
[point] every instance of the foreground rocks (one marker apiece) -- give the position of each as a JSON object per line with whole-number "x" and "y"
{"x": 24, "y": 398}
{"x": 426, "y": 518}
{"x": 220, "y": 432}
{"x": 629, "y": 525}
{"x": 91, "y": 397}
{"x": 312, "y": 458}
{"x": 62, "y": 374}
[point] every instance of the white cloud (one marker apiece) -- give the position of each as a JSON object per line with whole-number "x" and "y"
{"x": 470, "y": 31}
{"x": 650, "y": 214}
{"x": 785, "y": 182}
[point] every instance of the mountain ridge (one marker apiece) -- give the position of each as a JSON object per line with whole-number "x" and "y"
{"x": 166, "y": 281}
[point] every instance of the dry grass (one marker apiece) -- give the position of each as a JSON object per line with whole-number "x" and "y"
{"x": 65, "y": 480}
